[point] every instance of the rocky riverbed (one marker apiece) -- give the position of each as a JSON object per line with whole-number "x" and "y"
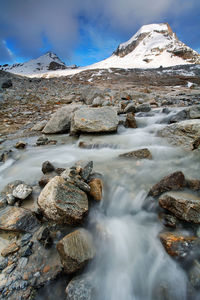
{"x": 100, "y": 185}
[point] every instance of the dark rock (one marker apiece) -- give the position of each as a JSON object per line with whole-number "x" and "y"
{"x": 5, "y": 155}
{"x": 75, "y": 250}
{"x": 26, "y": 238}
{"x": 130, "y": 108}
{"x": 180, "y": 116}
{"x": 82, "y": 185}
{"x": 11, "y": 199}
{"x": 27, "y": 250}
{"x": 184, "y": 206}
{"x": 44, "y": 237}
{"x": 196, "y": 143}
{"x": 166, "y": 110}
{"x": 170, "y": 221}
{"x": 47, "y": 167}
{"x": 63, "y": 202}
{"x": 20, "y": 145}
{"x": 87, "y": 170}
{"x": 81, "y": 288}
{"x": 178, "y": 245}
{"x": 3, "y": 263}
{"x": 138, "y": 154}
{"x": 59, "y": 170}
{"x": 56, "y": 66}
{"x": 6, "y": 84}
{"x": 17, "y": 219}
{"x": 130, "y": 121}
{"x": 174, "y": 181}
{"x": 41, "y": 141}
{"x": 45, "y": 179}
{"x": 193, "y": 184}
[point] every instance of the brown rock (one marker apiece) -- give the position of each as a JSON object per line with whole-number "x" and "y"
{"x": 130, "y": 121}
{"x": 63, "y": 202}
{"x": 10, "y": 249}
{"x": 47, "y": 167}
{"x": 75, "y": 250}
{"x": 20, "y": 145}
{"x": 184, "y": 206}
{"x": 96, "y": 187}
{"x": 174, "y": 181}
{"x": 138, "y": 154}
{"x": 193, "y": 184}
{"x": 178, "y": 245}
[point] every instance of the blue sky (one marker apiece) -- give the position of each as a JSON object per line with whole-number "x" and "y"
{"x": 86, "y": 31}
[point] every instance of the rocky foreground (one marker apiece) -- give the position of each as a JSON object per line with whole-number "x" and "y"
{"x": 48, "y": 238}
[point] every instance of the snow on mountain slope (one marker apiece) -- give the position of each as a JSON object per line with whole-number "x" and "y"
{"x": 42, "y": 64}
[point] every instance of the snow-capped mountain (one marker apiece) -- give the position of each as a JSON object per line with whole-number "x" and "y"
{"x": 42, "y": 64}
{"x": 152, "y": 46}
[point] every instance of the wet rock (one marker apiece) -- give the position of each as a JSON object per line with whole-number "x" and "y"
{"x": 96, "y": 187}
{"x": 27, "y": 250}
{"x": 87, "y": 170}
{"x": 178, "y": 245}
{"x": 3, "y": 263}
{"x": 44, "y": 237}
{"x": 10, "y": 249}
{"x": 80, "y": 288}
{"x": 170, "y": 221}
{"x": 3, "y": 201}
{"x": 47, "y": 167}
{"x": 145, "y": 107}
{"x": 184, "y": 206}
{"x": 63, "y": 202}
{"x": 60, "y": 120}
{"x": 11, "y": 199}
{"x": 193, "y": 184}
{"x": 130, "y": 121}
{"x": 6, "y": 84}
{"x": 5, "y": 155}
{"x": 130, "y": 108}
{"x": 17, "y": 219}
{"x": 82, "y": 185}
{"x": 196, "y": 143}
{"x": 20, "y": 145}
{"x": 94, "y": 120}
{"x": 39, "y": 126}
{"x": 22, "y": 191}
{"x": 180, "y": 116}
{"x": 75, "y": 250}
{"x": 8, "y": 189}
{"x": 46, "y": 178}
{"x": 174, "y": 181}
{"x": 194, "y": 112}
{"x": 41, "y": 141}
{"x": 138, "y": 154}
{"x": 194, "y": 274}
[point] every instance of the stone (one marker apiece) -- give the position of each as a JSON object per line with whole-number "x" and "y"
{"x": 81, "y": 288}
{"x": 180, "y": 116}
{"x": 44, "y": 237}
{"x": 11, "y": 199}
{"x": 96, "y": 187}
{"x": 194, "y": 274}
{"x": 10, "y": 249}
{"x": 138, "y": 154}
{"x": 6, "y": 84}
{"x": 47, "y": 167}
{"x": 184, "y": 206}
{"x": 63, "y": 202}
{"x": 193, "y": 184}
{"x": 87, "y": 170}
{"x": 5, "y": 155}
{"x": 22, "y": 191}
{"x": 196, "y": 143}
{"x": 177, "y": 245}
{"x": 170, "y": 221}
{"x": 45, "y": 179}
{"x": 3, "y": 263}
{"x": 20, "y": 145}
{"x": 76, "y": 250}
{"x": 145, "y": 107}
{"x": 41, "y": 141}
{"x": 39, "y": 126}
{"x": 17, "y": 219}
{"x": 88, "y": 94}
{"x": 98, "y": 101}
{"x": 130, "y": 108}
{"x": 82, "y": 185}
{"x": 94, "y": 120}
{"x": 194, "y": 112}
{"x": 3, "y": 201}
{"x": 174, "y": 181}
{"x": 60, "y": 120}
{"x": 8, "y": 189}
{"x": 130, "y": 121}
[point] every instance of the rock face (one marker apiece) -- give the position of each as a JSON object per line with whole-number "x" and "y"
{"x": 103, "y": 119}
{"x": 17, "y": 219}
{"x": 75, "y": 250}
{"x": 178, "y": 245}
{"x": 63, "y": 202}
{"x": 138, "y": 154}
{"x": 182, "y": 133}
{"x": 174, "y": 181}
{"x": 60, "y": 120}
{"x": 80, "y": 288}
{"x": 184, "y": 206}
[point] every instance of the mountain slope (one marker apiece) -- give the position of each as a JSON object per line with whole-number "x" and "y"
{"x": 42, "y": 64}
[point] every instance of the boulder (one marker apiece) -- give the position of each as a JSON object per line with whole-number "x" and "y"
{"x": 17, "y": 219}
{"x": 81, "y": 288}
{"x": 184, "y": 206}
{"x": 138, "y": 154}
{"x": 180, "y": 116}
{"x": 39, "y": 126}
{"x": 174, "y": 181}
{"x": 75, "y": 250}
{"x": 194, "y": 112}
{"x": 103, "y": 119}
{"x": 177, "y": 245}
{"x": 96, "y": 187}
{"x": 22, "y": 191}
{"x": 63, "y": 202}
{"x": 47, "y": 167}
{"x": 130, "y": 121}
{"x": 182, "y": 133}
{"x": 20, "y": 145}
{"x": 144, "y": 107}
{"x": 60, "y": 120}
{"x": 130, "y": 108}
{"x": 88, "y": 94}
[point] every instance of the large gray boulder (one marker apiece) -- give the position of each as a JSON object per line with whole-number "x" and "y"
{"x": 182, "y": 133}
{"x": 63, "y": 202}
{"x": 89, "y": 119}
{"x": 184, "y": 206}
{"x": 60, "y": 120}
{"x": 194, "y": 112}
{"x": 81, "y": 288}
{"x": 75, "y": 250}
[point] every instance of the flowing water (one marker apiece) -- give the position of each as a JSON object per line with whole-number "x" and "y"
{"x": 131, "y": 263}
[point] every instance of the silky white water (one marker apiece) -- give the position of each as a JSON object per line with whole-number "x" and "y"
{"x": 131, "y": 263}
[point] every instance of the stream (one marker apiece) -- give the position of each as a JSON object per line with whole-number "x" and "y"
{"x": 131, "y": 263}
